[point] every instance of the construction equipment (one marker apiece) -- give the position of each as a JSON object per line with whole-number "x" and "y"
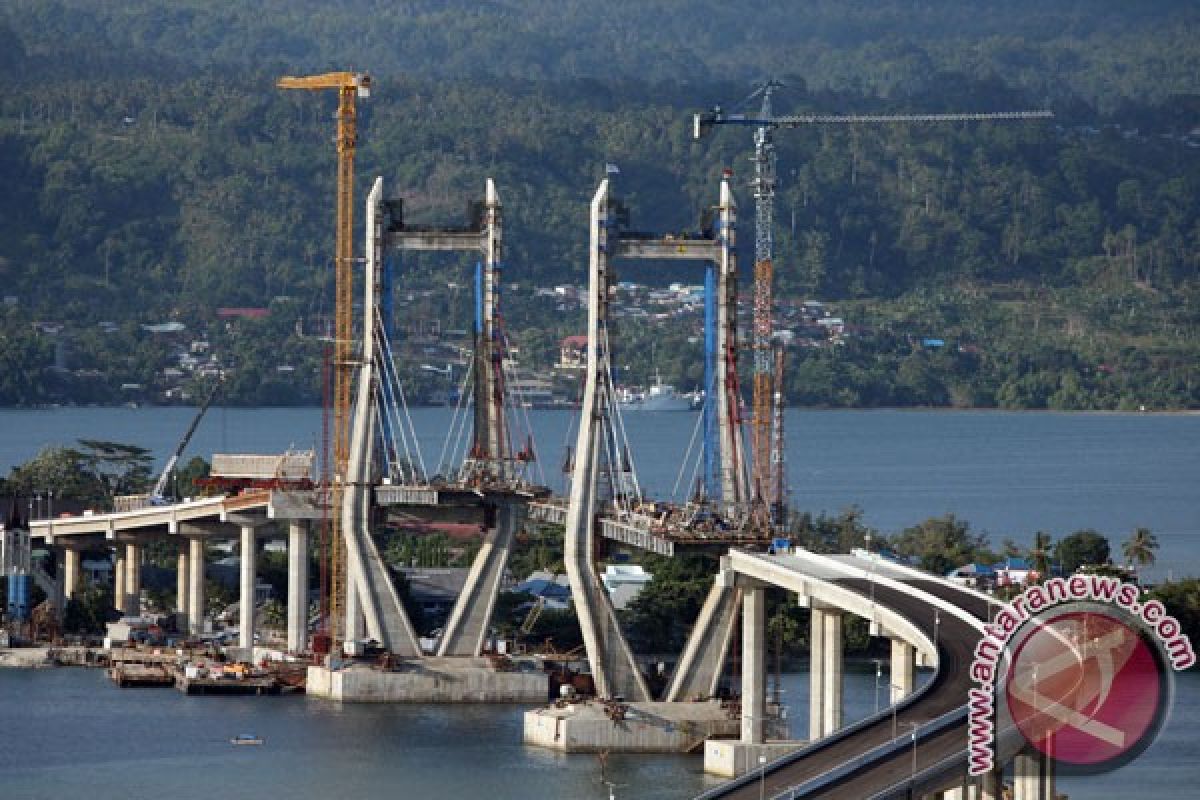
{"x": 349, "y": 86}
{"x": 158, "y": 494}
{"x": 763, "y": 481}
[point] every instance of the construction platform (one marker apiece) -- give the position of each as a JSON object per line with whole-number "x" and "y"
{"x": 429, "y": 680}
{"x": 655, "y": 727}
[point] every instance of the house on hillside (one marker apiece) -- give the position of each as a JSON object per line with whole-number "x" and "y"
{"x": 572, "y": 352}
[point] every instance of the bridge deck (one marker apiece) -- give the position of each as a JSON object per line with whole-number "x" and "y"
{"x": 810, "y": 772}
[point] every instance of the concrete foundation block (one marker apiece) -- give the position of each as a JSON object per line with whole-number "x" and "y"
{"x": 731, "y": 759}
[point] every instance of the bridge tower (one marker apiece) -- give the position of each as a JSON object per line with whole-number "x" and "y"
{"x": 490, "y": 466}
{"x": 370, "y": 593}
{"x": 601, "y": 483}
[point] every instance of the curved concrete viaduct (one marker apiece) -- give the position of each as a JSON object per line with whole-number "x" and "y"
{"x": 922, "y": 749}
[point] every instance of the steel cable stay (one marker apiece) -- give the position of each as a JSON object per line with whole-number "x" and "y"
{"x": 620, "y": 434}
{"x": 456, "y": 467}
{"x": 515, "y": 416}
{"x": 687, "y": 456}
{"x": 394, "y": 440}
{"x": 457, "y": 423}
{"x": 397, "y": 413}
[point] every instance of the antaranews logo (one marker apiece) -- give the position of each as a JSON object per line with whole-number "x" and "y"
{"x": 1078, "y": 668}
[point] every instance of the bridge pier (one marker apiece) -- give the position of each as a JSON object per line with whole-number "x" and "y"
{"x": 297, "y": 602}
{"x": 902, "y": 672}
{"x": 181, "y": 577}
{"x": 833, "y": 667}
{"x": 816, "y": 673}
{"x": 70, "y": 579}
{"x": 247, "y": 572}
{"x": 825, "y": 671}
{"x": 119, "y": 578}
{"x": 195, "y": 585}
{"x": 754, "y": 667}
{"x": 133, "y": 580}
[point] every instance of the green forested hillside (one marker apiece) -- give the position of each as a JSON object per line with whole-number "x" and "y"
{"x": 151, "y": 171}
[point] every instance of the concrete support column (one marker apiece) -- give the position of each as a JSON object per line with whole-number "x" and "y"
{"x": 297, "y": 608}
{"x": 816, "y": 675}
{"x": 119, "y": 579}
{"x": 181, "y": 577}
{"x": 754, "y": 665}
{"x": 833, "y": 671}
{"x": 902, "y": 680}
{"x": 991, "y": 785}
{"x": 133, "y": 579}
{"x": 246, "y": 595}
{"x": 195, "y": 585}
{"x": 70, "y": 573}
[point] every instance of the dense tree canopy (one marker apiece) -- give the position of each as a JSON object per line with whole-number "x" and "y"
{"x": 153, "y": 173}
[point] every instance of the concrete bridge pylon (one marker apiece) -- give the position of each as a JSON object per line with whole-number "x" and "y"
{"x": 370, "y": 591}
{"x": 603, "y": 484}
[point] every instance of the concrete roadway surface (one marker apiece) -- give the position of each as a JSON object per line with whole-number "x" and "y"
{"x": 946, "y": 691}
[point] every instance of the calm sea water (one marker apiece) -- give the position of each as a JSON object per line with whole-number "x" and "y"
{"x": 68, "y": 733}
{"x": 1008, "y": 474}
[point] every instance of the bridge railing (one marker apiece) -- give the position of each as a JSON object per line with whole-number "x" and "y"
{"x": 815, "y": 748}
{"x": 883, "y": 752}
{"x": 920, "y": 574}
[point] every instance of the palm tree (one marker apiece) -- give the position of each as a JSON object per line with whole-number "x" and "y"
{"x": 1040, "y": 554}
{"x": 1139, "y": 548}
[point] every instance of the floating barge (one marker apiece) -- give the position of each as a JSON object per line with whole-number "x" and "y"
{"x": 226, "y": 686}
{"x": 136, "y": 676}
{"x": 230, "y": 679}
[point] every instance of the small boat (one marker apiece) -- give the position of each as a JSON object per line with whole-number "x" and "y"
{"x": 246, "y": 738}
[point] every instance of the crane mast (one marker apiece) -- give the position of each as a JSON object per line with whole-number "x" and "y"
{"x": 349, "y": 86}
{"x": 764, "y": 281}
{"x": 767, "y": 473}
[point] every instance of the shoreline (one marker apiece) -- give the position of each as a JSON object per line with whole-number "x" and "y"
{"x": 1158, "y": 412}
{"x": 25, "y": 658}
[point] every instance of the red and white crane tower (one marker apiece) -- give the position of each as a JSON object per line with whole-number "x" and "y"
{"x": 767, "y": 479}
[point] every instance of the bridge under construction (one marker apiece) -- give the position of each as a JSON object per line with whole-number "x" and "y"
{"x": 915, "y": 748}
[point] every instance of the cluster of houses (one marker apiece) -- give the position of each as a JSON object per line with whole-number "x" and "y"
{"x": 1012, "y": 571}
{"x": 434, "y": 589}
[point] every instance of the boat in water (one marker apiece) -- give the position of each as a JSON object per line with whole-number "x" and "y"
{"x": 245, "y": 739}
{"x": 659, "y": 397}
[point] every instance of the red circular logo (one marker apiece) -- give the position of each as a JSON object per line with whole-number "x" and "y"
{"x": 1085, "y": 688}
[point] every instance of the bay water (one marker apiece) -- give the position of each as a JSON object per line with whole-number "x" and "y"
{"x": 1009, "y": 474}
{"x": 68, "y": 733}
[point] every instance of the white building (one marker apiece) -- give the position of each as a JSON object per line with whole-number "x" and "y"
{"x": 624, "y": 582}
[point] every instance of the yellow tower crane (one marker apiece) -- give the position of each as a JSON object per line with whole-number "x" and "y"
{"x": 350, "y": 86}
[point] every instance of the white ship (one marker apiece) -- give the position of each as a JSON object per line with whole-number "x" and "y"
{"x": 659, "y": 397}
